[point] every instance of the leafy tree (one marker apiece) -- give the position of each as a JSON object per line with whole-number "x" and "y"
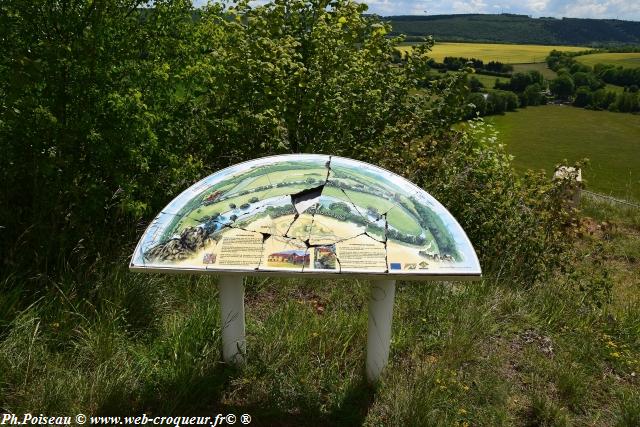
{"x": 498, "y": 67}
{"x": 520, "y": 81}
{"x": 511, "y": 101}
{"x": 601, "y": 99}
{"x": 475, "y": 85}
{"x": 578, "y": 67}
{"x": 86, "y": 90}
{"x": 583, "y": 97}
{"x": 339, "y": 207}
{"x": 587, "y": 79}
{"x": 626, "y": 102}
{"x": 532, "y": 95}
{"x": 500, "y": 101}
{"x": 562, "y": 86}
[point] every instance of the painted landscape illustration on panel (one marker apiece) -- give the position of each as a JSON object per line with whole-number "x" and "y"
{"x": 307, "y": 213}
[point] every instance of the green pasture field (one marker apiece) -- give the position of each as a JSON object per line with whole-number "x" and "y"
{"x": 546, "y": 72}
{"x": 627, "y": 60}
{"x": 541, "y": 137}
{"x": 614, "y": 88}
{"x": 507, "y": 53}
{"x": 488, "y": 81}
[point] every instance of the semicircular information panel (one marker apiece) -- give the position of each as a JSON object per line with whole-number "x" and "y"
{"x": 307, "y": 215}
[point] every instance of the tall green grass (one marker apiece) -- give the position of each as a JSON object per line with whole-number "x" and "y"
{"x": 485, "y": 353}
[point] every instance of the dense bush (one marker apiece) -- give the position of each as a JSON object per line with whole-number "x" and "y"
{"x": 618, "y": 75}
{"x": 90, "y": 123}
{"x": 587, "y": 79}
{"x": 528, "y": 86}
{"x": 475, "y": 85}
{"x": 110, "y": 110}
{"x": 563, "y": 87}
{"x": 626, "y": 102}
{"x": 517, "y": 225}
{"x": 458, "y": 63}
{"x": 520, "y": 81}
{"x": 601, "y": 99}
{"x": 532, "y": 95}
{"x": 477, "y": 105}
{"x": 500, "y": 101}
{"x": 583, "y": 97}
{"x": 498, "y": 67}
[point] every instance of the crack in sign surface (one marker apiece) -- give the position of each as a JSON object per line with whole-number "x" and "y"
{"x": 306, "y": 199}
{"x": 309, "y": 213}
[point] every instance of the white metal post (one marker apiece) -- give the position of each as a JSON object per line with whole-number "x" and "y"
{"x": 379, "y": 332}
{"x": 234, "y": 346}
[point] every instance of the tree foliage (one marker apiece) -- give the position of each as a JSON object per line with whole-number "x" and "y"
{"x": 518, "y": 225}
{"x": 519, "y": 29}
{"x": 563, "y": 86}
{"x": 108, "y": 110}
{"x": 590, "y": 88}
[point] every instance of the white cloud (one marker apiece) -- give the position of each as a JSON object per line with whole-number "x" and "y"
{"x": 587, "y": 9}
{"x": 470, "y": 6}
{"x": 537, "y": 5}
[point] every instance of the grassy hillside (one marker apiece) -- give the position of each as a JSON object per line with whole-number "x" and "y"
{"x": 486, "y": 353}
{"x": 489, "y": 81}
{"x": 511, "y": 54}
{"x": 541, "y": 137}
{"x": 627, "y": 60}
{"x": 507, "y": 28}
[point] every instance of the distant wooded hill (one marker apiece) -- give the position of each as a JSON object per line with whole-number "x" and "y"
{"x": 509, "y": 28}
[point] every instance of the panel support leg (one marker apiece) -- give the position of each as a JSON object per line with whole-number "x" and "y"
{"x": 234, "y": 346}
{"x": 379, "y": 332}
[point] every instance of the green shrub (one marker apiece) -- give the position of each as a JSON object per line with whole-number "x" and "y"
{"x": 106, "y": 118}
{"x": 518, "y": 225}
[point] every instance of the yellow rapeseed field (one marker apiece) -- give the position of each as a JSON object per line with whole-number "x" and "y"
{"x": 507, "y": 53}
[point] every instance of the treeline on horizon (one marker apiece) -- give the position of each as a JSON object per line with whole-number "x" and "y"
{"x": 510, "y": 28}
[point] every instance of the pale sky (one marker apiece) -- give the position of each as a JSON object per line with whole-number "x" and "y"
{"x": 620, "y": 9}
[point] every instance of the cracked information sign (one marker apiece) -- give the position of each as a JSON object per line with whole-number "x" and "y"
{"x": 310, "y": 215}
